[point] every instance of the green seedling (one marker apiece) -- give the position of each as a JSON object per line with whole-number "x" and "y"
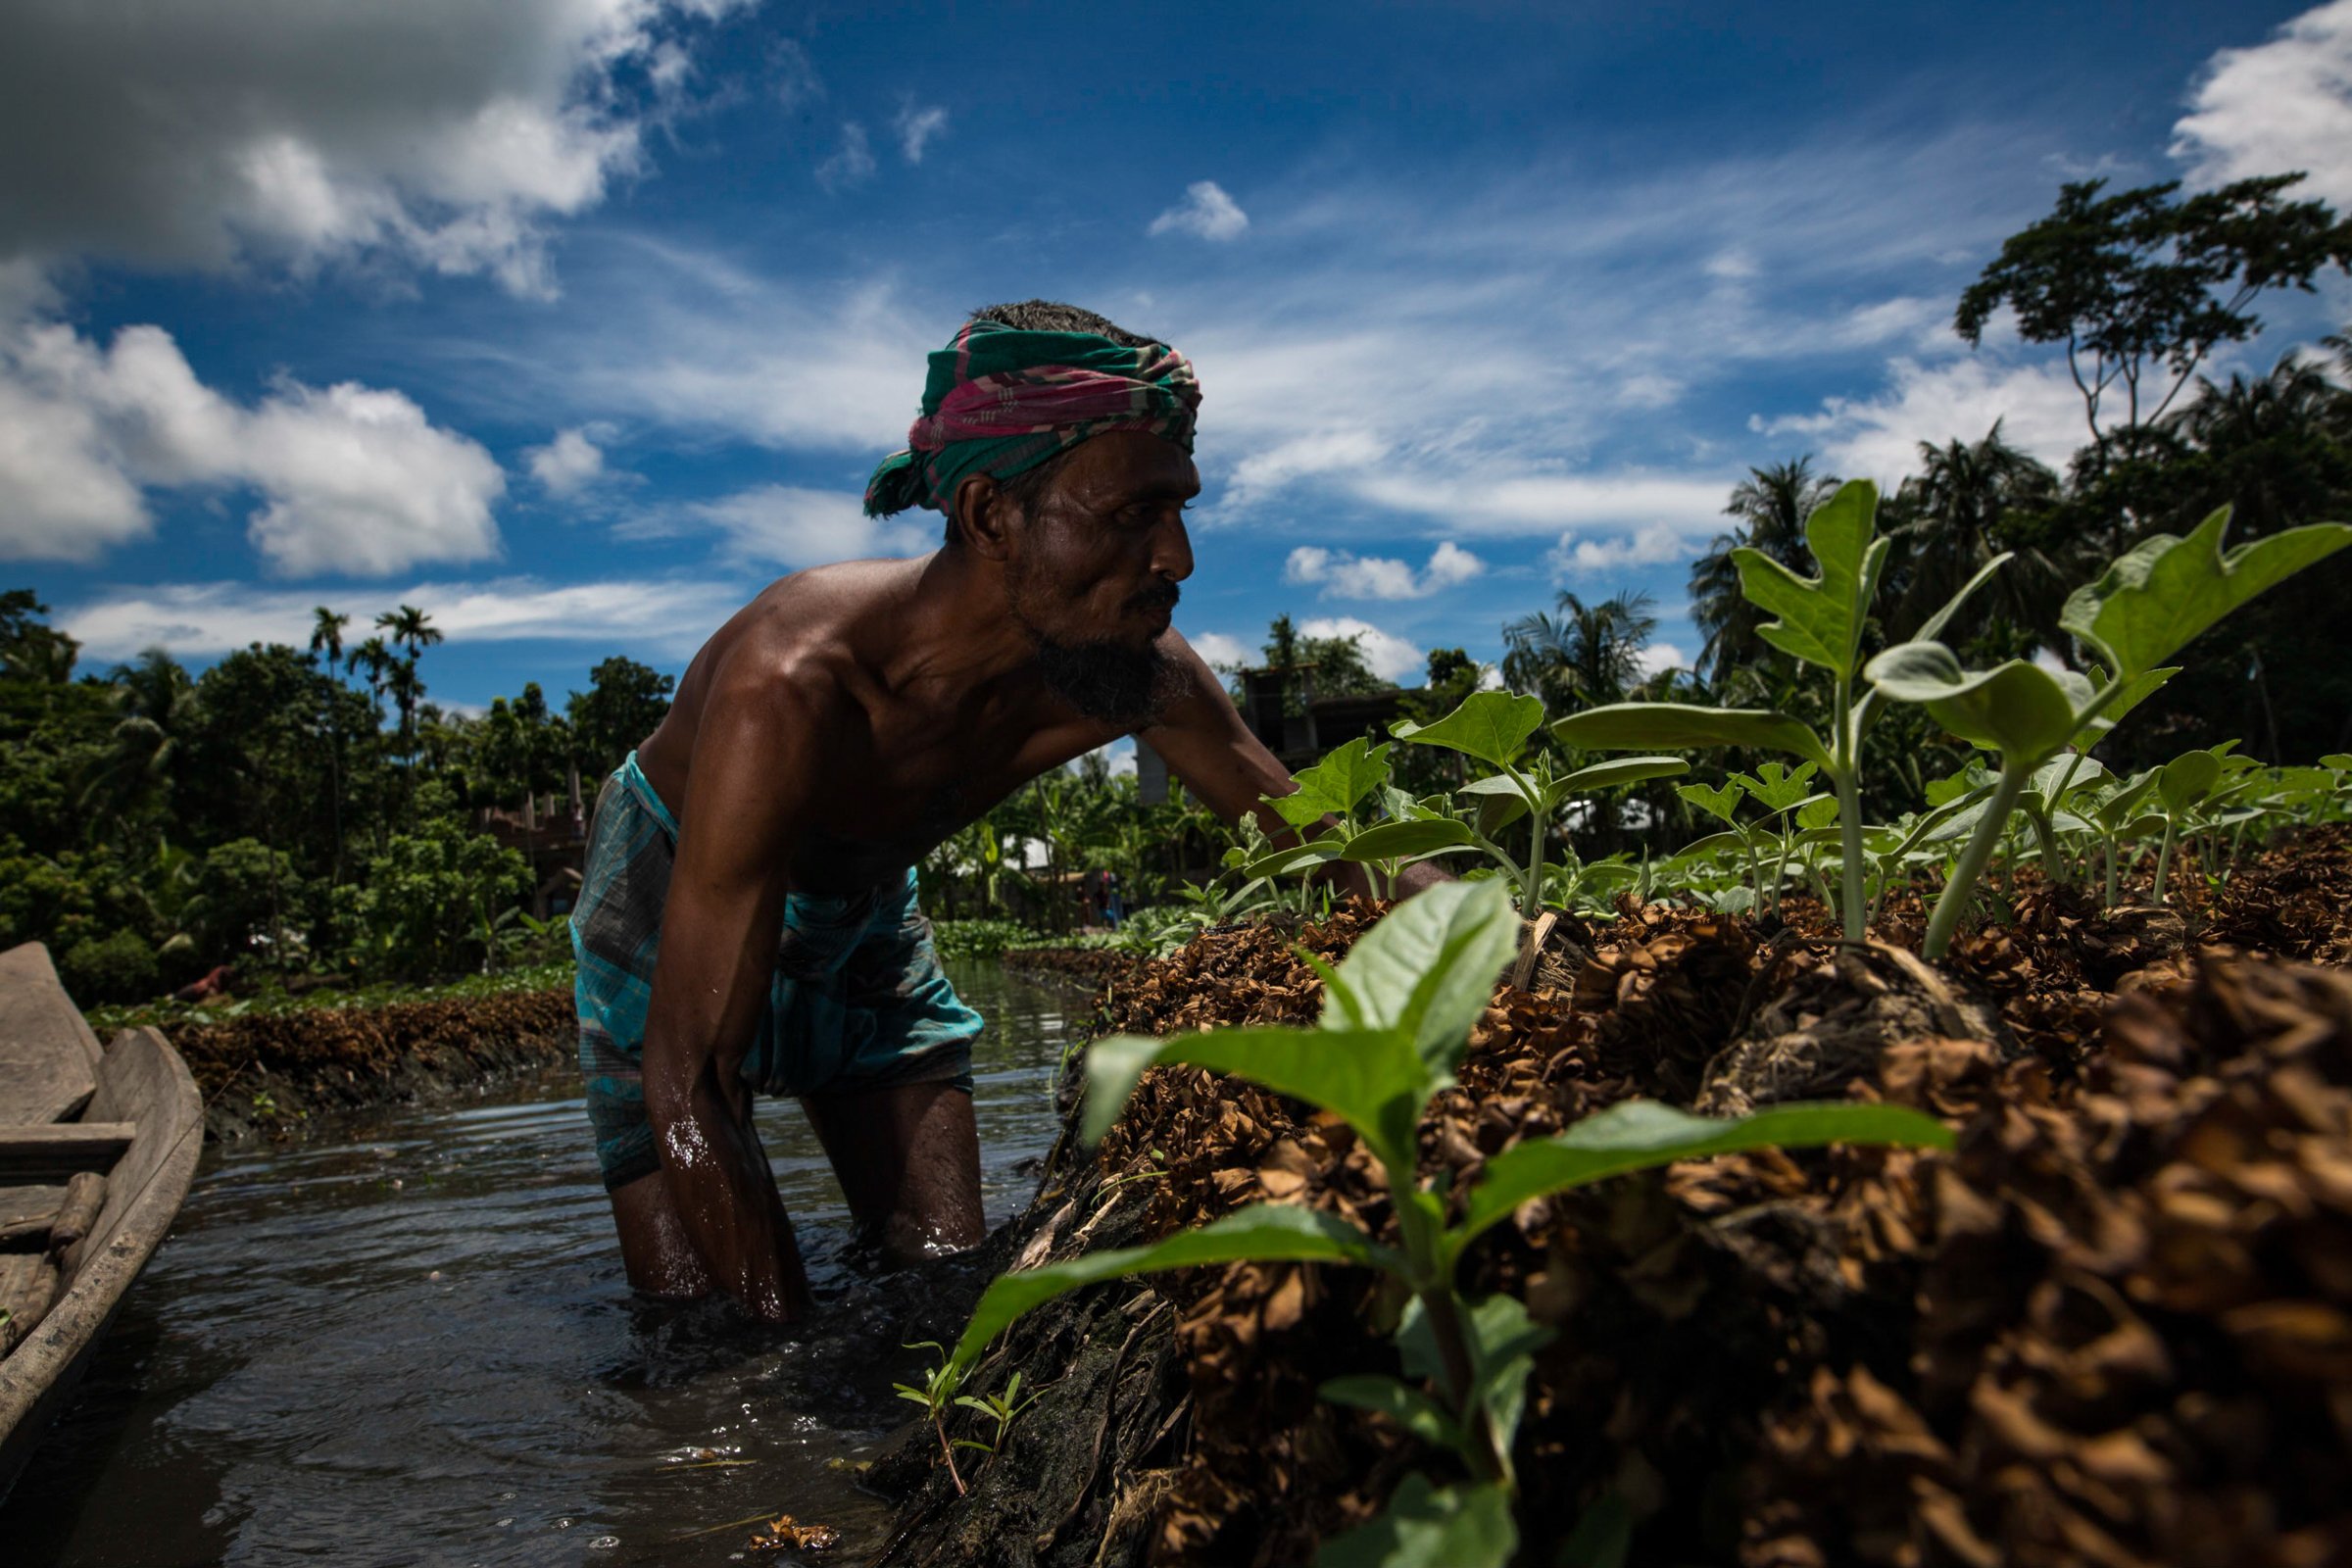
{"x": 936, "y": 1392}
{"x": 999, "y": 1408}
{"x": 2147, "y": 606}
{"x": 1821, "y": 622}
{"x": 1495, "y": 727}
{"x": 1396, "y": 1020}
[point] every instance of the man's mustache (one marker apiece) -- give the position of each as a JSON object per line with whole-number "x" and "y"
{"x": 1163, "y": 597}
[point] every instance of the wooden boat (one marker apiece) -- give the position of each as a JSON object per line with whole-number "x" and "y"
{"x": 97, "y": 1149}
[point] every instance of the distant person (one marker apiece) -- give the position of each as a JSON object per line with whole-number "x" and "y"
{"x": 747, "y": 923}
{"x": 1112, "y": 910}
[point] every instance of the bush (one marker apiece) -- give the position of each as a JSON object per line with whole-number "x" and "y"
{"x": 979, "y": 939}
{"x": 431, "y": 902}
{"x": 120, "y": 968}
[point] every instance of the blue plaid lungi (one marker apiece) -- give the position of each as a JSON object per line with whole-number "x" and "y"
{"x": 857, "y": 999}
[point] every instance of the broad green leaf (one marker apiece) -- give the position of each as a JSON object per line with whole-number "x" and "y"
{"x": 1974, "y": 777}
{"x": 2188, "y": 779}
{"x": 1334, "y": 785}
{"x": 1712, "y": 844}
{"x": 1639, "y": 1133}
{"x": 2121, "y": 800}
{"x": 1369, "y": 1077}
{"x": 1271, "y": 1232}
{"x": 2133, "y": 692}
{"x": 1617, "y": 771}
{"x": 1426, "y": 969}
{"x": 1634, "y": 726}
{"x": 1774, "y": 786}
{"x": 1866, "y": 712}
{"x": 1297, "y": 858}
{"x": 2337, "y": 761}
{"x": 1503, "y": 1342}
{"x": 1492, "y": 726}
{"x": 1425, "y": 1525}
{"x": 2017, "y": 709}
{"x": 1719, "y": 804}
{"x": 1819, "y": 812}
{"x": 1408, "y": 1406}
{"x": 1821, "y": 617}
{"x": 1396, "y": 841}
{"x": 2162, "y": 592}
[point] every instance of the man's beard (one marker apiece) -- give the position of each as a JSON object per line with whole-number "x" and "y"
{"x": 1114, "y": 682}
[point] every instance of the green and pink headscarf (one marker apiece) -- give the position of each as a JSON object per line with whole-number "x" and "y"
{"x": 1001, "y": 401}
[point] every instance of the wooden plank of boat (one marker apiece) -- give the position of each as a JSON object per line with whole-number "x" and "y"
{"x": 28, "y": 1283}
{"x": 27, "y": 1214}
{"x": 48, "y": 1056}
{"x": 61, "y": 1148}
{"x": 143, "y": 1082}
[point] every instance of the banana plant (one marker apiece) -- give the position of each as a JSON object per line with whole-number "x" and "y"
{"x": 1821, "y": 622}
{"x": 2149, "y": 604}
{"x": 1396, "y": 1020}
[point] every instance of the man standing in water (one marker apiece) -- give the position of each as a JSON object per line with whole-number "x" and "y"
{"x": 747, "y": 923}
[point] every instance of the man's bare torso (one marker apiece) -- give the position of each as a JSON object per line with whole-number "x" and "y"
{"x": 910, "y": 749}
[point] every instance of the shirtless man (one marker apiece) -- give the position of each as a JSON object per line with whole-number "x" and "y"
{"x": 833, "y": 732}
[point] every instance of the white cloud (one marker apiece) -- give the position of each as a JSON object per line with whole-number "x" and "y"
{"x": 1656, "y": 656}
{"x": 1219, "y": 649}
{"x": 201, "y": 619}
{"x": 916, "y": 128}
{"x": 1878, "y": 438}
{"x": 1541, "y": 502}
{"x": 567, "y": 463}
{"x": 1205, "y": 213}
{"x": 441, "y": 132}
{"x": 1650, "y": 545}
{"x": 2275, "y": 107}
{"x": 1389, "y": 655}
{"x": 1342, "y": 575}
{"x": 785, "y": 525}
{"x": 353, "y": 480}
{"x": 850, "y": 164}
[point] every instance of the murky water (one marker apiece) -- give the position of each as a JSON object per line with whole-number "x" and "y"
{"x": 412, "y": 1345}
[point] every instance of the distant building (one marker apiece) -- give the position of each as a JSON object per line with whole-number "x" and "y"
{"x": 1297, "y": 740}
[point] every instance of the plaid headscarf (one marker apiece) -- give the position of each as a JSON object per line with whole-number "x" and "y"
{"x": 1001, "y": 401}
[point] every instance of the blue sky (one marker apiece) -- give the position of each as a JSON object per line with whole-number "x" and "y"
{"x": 575, "y": 321}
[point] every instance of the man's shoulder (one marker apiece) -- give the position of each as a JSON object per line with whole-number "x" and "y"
{"x": 801, "y": 641}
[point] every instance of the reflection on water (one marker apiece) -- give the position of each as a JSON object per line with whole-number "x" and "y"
{"x": 413, "y": 1344}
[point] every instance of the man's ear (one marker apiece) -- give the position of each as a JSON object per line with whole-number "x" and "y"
{"x": 984, "y": 514}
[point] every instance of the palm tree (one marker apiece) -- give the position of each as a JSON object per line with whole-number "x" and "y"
{"x": 1587, "y": 656}
{"x": 2268, "y": 445}
{"x": 327, "y": 637}
{"x": 1953, "y": 508}
{"x": 157, "y": 701}
{"x": 1772, "y": 505}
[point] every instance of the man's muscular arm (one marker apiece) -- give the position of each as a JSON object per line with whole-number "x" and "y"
{"x": 1207, "y": 745}
{"x": 748, "y": 789}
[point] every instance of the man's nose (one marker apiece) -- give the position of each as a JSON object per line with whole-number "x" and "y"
{"x": 1172, "y": 551}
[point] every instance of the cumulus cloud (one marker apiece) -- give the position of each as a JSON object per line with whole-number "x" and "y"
{"x": 1879, "y": 438}
{"x": 2277, "y": 106}
{"x": 1650, "y": 545}
{"x": 1656, "y": 658}
{"x": 852, "y": 163}
{"x": 353, "y": 480}
{"x": 568, "y": 465}
{"x": 786, "y": 526}
{"x": 1205, "y": 213}
{"x": 1342, "y": 575}
{"x": 916, "y": 128}
{"x": 1389, "y": 655}
{"x": 200, "y": 619}
{"x": 1219, "y": 649}
{"x": 441, "y": 132}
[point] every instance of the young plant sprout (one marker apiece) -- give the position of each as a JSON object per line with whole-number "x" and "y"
{"x": 1396, "y": 1020}
{"x": 1821, "y": 622}
{"x": 2149, "y": 604}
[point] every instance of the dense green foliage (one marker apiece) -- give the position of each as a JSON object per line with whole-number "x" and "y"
{"x": 285, "y": 810}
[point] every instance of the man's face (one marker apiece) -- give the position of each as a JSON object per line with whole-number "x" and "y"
{"x": 1092, "y": 573}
